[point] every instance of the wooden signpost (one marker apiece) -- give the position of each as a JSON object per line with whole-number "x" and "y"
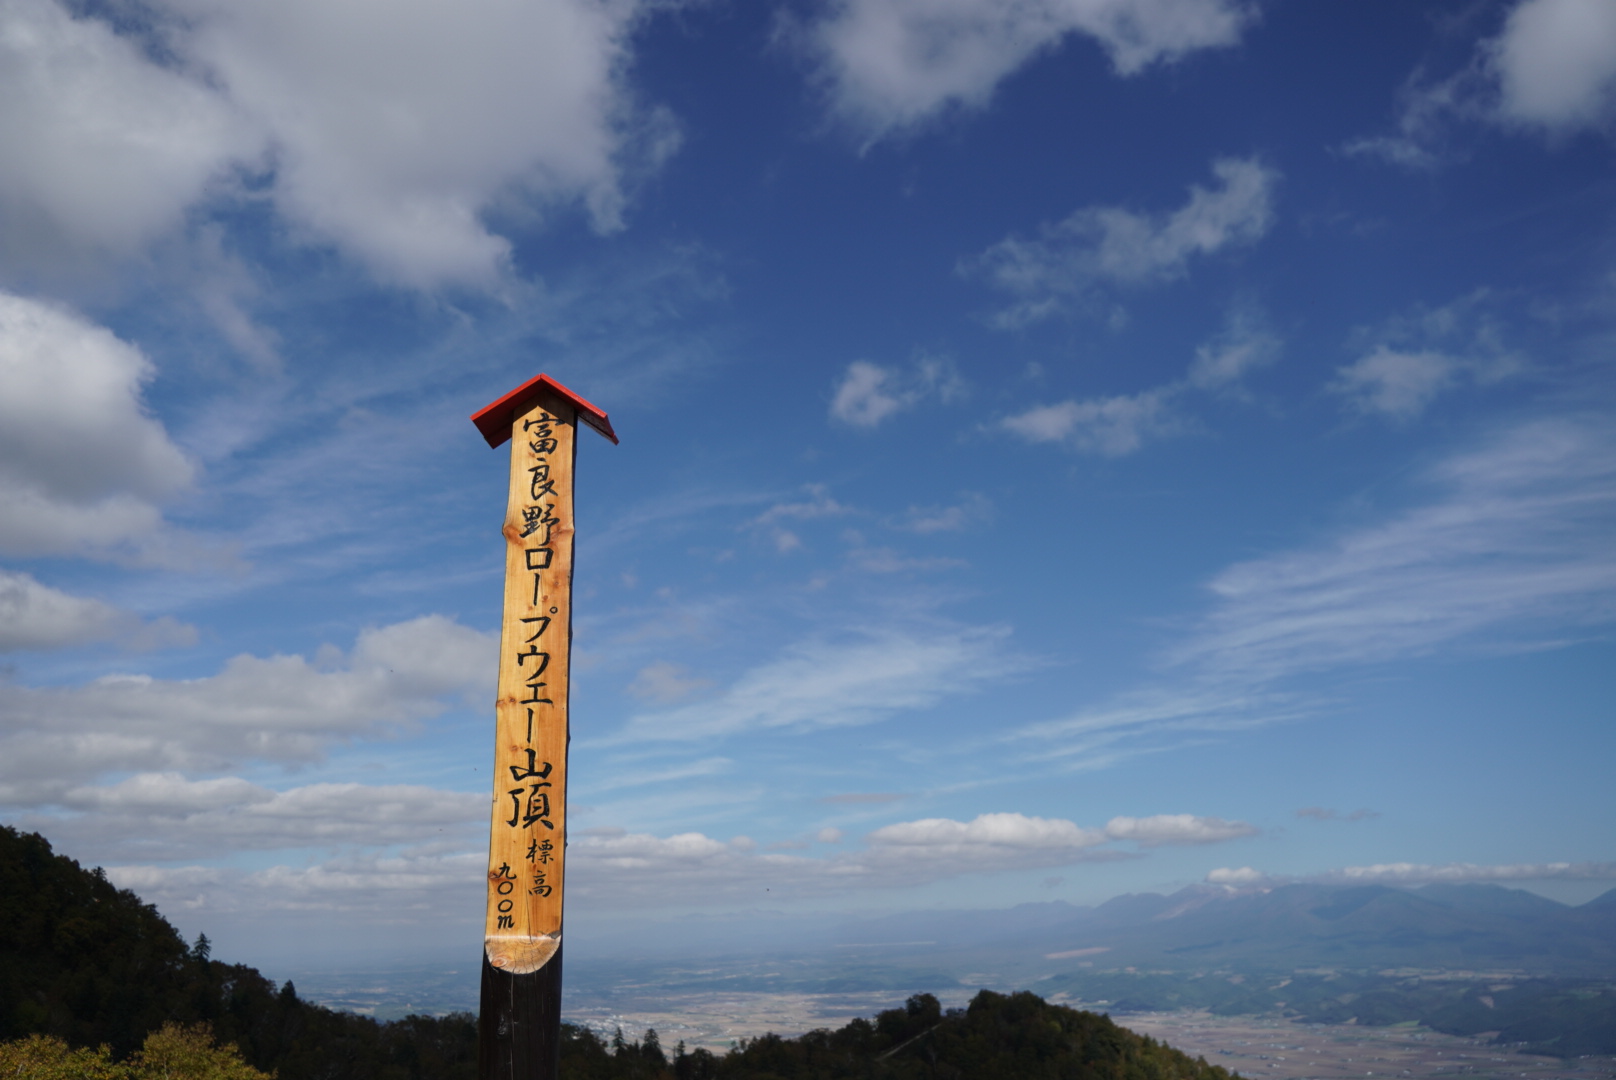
{"x": 520, "y": 1023}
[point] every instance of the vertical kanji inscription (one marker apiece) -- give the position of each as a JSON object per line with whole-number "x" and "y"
{"x": 527, "y": 846}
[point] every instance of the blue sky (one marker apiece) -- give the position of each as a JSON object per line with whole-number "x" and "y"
{"x": 1068, "y": 448}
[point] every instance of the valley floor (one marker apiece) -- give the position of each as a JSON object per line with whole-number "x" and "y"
{"x": 1273, "y": 1048}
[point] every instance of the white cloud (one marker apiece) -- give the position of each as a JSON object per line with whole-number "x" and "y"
{"x": 862, "y": 398}
{"x": 1111, "y": 427}
{"x": 665, "y": 683}
{"x": 988, "y": 841}
{"x": 1120, "y": 425}
{"x": 1395, "y": 384}
{"x": 1238, "y": 877}
{"x": 892, "y": 65}
{"x": 1426, "y": 111}
{"x": 1552, "y": 69}
{"x": 973, "y": 508}
{"x": 1149, "y": 721}
{"x": 168, "y": 816}
{"x": 278, "y": 709}
{"x": 1103, "y": 244}
{"x": 1413, "y": 873}
{"x": 391, "y": 135}
{"x": 1412, "y": 359}
{"x": 1162, "y": 829}
{"x": 818, "y": 505}
{"x": 1556, "y": 64}
{"x": 868, "y": 393}
{"x": 35, "y": 616}
{"x": 1420, "y": 874}
{"x": 421, "y": 888}
{"x": 395, "y": 131}
{"x": 1516, "y": 551}
{"x": 1244, "y": 346}
{"x": 83, "y": 467}
{"x": 607, "y": 868}
{"x": 104, "y": 149}
{"x": 1521, "y": 541}
{"x": 864, "y": 677}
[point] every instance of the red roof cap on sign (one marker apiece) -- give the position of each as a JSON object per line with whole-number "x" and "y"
{"x": 495, "y": 420}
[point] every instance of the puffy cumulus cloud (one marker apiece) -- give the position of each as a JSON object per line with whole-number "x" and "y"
{"x": 607, "y": 868}
{"x": 868, "y": 393}
{"x": 1237, "y": 877}
{"x": 396, "y": 129}
{"x": 1521, "y": 536}
{"x": 391, "y": 134}
{"x": 988, "y": 841}
{"x": 1420, "y": 874}
{"x": 892, "y": 65}
{"x": 1111, "y": 427}
{"x": 420, "y": 888}
{"x": 1110, "y": 244}
{"x": 83, "y": 467}
{"x": 1551, "y": 69}
{"x": 863, "y": 678}
{"x": 1395, "y": 384}
{"x": 1556, "y": 64}
{"x": 35, "y": 616}
{"x": 104, "y": 148}
{"x": 1162, "y": 829}
{"x": 617, "y": 868}
{"x": 169, "y": 816}
{"x": 57, "y": 740}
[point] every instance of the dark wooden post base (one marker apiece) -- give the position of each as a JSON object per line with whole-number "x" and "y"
{"x": 519, "y": 1028}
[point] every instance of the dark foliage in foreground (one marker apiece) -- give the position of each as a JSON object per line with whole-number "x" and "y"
{"x": 999, "y": 1037}
{"x": 90, "y": 964}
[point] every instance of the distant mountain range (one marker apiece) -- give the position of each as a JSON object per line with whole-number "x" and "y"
{"x": 1450, "y": 927}
{"x": 1283, "y": 928}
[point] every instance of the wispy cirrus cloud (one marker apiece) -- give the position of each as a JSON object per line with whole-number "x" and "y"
{"x": 1519, "y": 542}
{"x": 1513, "y": 548}
{"x": 862, "y": 677}
{"x": 1121, "y": 424}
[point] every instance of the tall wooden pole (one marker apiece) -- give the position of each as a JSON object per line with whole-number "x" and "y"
{"x": 519, "y": 1030}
